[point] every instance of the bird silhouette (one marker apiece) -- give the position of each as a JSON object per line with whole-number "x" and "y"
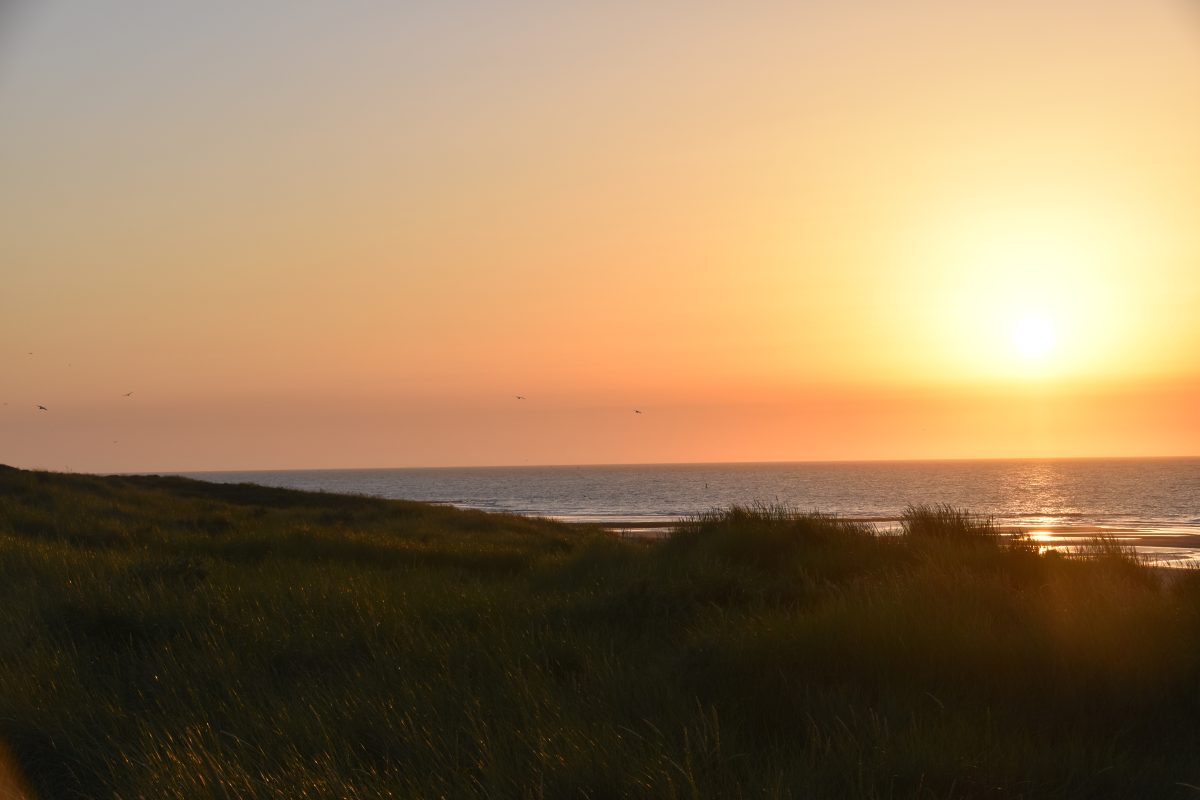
{"x": 43, "y": 408}
{"x": 127, "y": 394}
{"x": 520, "y": 397}
{"x": 636, "y": 411}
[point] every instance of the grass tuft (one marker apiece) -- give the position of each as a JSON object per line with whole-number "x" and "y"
{"x": 947, "y": 522}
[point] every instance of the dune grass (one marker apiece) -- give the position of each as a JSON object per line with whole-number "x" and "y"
{"x": 167, "y": 638}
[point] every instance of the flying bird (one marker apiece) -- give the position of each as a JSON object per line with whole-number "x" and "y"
{"x": 43, "y": 408}
{"x": 520, "y": 397}
{"x": 636, "y": 411}
{"x": 127, "y": 394}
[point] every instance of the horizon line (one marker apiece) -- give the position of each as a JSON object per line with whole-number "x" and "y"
{"x": 945, "y": 460}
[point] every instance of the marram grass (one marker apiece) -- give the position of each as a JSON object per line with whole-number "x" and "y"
{"x": 166, "y": 638}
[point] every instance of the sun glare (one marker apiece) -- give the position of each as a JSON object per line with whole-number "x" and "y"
{"x": 1032, "y": 292}
{"x": 1033, "y": 337}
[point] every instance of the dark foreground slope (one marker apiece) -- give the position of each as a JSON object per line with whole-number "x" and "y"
{"x": 165, "y": 638}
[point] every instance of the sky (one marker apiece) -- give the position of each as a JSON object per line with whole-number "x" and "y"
{"x": 320, "y": 235}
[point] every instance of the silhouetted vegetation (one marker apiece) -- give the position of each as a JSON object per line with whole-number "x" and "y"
{"x": 168, "y": 638}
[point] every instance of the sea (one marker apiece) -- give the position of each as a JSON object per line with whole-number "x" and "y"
{"x": 1152, "y": 504}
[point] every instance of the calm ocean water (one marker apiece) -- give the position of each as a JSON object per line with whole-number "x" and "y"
{"x": 1145, "y": 495}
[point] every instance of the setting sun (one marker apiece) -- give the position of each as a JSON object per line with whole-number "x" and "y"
{"x": 1033, "y": 337}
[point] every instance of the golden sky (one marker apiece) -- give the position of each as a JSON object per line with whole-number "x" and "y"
{"x": 349, "y": 234}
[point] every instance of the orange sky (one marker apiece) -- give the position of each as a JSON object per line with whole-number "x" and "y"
{"x": 337, "y": 235}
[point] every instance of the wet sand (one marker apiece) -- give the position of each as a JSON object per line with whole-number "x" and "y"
{"x": 1161, "y": 547}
